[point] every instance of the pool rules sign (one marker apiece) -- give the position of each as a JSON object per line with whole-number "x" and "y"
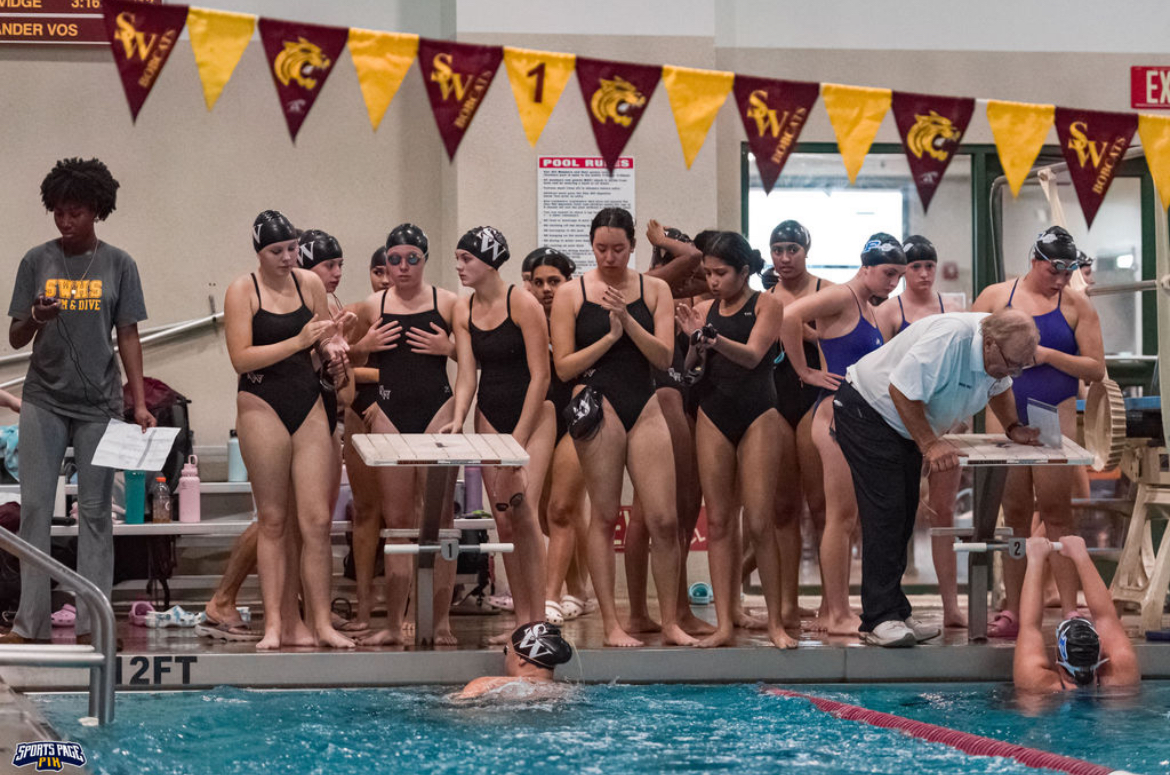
{"x": 570, "y": 191}
{"x": 1149, "y": 88}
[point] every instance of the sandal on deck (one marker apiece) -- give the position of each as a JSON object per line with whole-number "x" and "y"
{"x": 553, "y": 613}
{"x": 139, "y": 611}
{"x": 1004, "y": 625}
{"x": 66, "y": 617}
{"x": 225, "y": 632}
{"x": 572, "y": 607}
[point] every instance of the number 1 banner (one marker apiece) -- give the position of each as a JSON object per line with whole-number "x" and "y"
{"x": 538, "y": 78}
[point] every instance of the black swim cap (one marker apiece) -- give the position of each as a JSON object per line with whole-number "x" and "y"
{"x": 541, "y": 644}
{"x": 379, "y": 258}
{"x": 408, "y": 234}
{"x": 271, "y": 226}
{"x": 1054, "y": 243}
{"x": 317, "y": 247}
{"x": 791, "y": 231}
{"x": 549, "y": 257}
{"x": 487, "y": 244}
{"x": 919, "y": 248}
{"x": 882, "y": 248}
{"x": 1078, "y": 649}
{"x": 1084, "y": 259}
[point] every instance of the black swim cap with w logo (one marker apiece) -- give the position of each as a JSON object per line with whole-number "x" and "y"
{"x": 271, "y": 226}
{"x": 541, "y": 644}
{"x": 487, "y": 244}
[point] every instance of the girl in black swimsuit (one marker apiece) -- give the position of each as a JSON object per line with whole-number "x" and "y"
{"x": 363, "y": 480}
{"x": 736, "y": 432}
{"x": 608, "y": 331}
{"x": 414, "y": 396}
{"x": 273, "y": 319}
{"x": 676, "y": 260}
{"x": 502, "y": 330}
{"x": 562, "y": 507}
{"x": 800, "y": 479}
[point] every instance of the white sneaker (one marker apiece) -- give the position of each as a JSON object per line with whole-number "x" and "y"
{"x": 922, "y": 631}
{"x": 890, "y": 634}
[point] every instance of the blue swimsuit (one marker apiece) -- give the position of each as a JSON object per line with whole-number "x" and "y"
{"x": 1044, "y": 382}
{"x": 902, "y": 309}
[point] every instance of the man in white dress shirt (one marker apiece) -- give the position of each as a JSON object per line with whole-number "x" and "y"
{"x": 890, "y": 414}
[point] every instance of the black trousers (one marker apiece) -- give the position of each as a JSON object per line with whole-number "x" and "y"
{"x": 886, "y": 472}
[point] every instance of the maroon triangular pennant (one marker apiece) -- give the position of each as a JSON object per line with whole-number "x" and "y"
{"x": 1093, "y": 144}
{"x": 300, "y": 57}
{"x": 142, "y": 37}
{"x": 456, "y": 76}
{"x": 773, "y": 114}
{"x": 616, "y": 95}
{"x": 931, "y": 128}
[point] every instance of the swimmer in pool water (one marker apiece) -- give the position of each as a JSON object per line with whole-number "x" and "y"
{"x": 535, "y": 650}
{"x": 1089, "y": 652}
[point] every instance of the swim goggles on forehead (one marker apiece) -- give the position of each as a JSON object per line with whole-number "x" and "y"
{"x": 413, "y": 259}
{"x": 1059, "y": 264}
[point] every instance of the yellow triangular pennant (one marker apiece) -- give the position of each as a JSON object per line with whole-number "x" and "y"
{"x": 1019, "y": 129}
{"x": 538, "y": 78}
{"x": 381, "y": 60}
{"x": 218, "y": 40}
{"x": 1155, "y": 134}
{"x": 855, "y": 112}
{"x": 695, "y": 99}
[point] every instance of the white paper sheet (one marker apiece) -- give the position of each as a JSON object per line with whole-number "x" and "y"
{"x": 125, "y": 446}
{"x": 1045, "y": 417}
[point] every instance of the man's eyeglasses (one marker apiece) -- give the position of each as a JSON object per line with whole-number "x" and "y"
{"x": 1013, "y": 369}
{"x": 413, "y": 259}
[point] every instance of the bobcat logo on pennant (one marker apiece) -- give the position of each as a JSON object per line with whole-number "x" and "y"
{"x": 615, "y": 99}
{"x": 931, "y": 135}
{"x": 298, "y": 61}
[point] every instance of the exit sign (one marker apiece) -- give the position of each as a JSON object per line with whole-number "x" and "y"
{"x": 1149, "y": 87}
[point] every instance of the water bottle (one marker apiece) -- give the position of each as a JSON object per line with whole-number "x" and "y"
{"x": 237, "y": 472}
{"x": 189, "y": 491}
{"x": 160, "y": 500}
{"x": 135, "y": 497}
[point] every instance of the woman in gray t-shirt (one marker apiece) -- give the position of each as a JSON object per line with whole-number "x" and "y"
{"x": 69, "y": 294}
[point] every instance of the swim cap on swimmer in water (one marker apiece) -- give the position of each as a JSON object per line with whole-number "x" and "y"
{"x": 791, "y": 231}
{"x": 1078, "y": 649}
{"x": 1056, "y": 246}
{"x": 408, "y": 234}
{"x": 541, "y": 644}
{"x": 271, "y": 226}
{"x": 919, "y": 248}
{"x": 882, "y": 248}
{"x": 317, "y": 247}
{"x": 487, "y": 244}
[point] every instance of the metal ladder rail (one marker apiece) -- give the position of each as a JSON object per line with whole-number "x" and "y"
{"x": 99, "y": 657}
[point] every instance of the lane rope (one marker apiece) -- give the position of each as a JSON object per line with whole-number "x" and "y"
{"x": 974, "y": 745}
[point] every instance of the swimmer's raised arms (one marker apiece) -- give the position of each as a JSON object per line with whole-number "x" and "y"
{"x": 535, "y": 650}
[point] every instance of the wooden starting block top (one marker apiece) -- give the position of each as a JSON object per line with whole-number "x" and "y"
{"x": 994, "y": 449}
{"x": 439, "y": 449}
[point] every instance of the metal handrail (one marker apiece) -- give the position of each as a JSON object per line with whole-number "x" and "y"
{"x": 148, "y": 337}
{"x": 99, "y": 658}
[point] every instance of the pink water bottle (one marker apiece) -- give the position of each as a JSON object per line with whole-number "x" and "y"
{"x": 189, "y": 491}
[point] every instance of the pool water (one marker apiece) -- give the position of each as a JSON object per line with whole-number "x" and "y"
{"x": 602, "y": 729}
